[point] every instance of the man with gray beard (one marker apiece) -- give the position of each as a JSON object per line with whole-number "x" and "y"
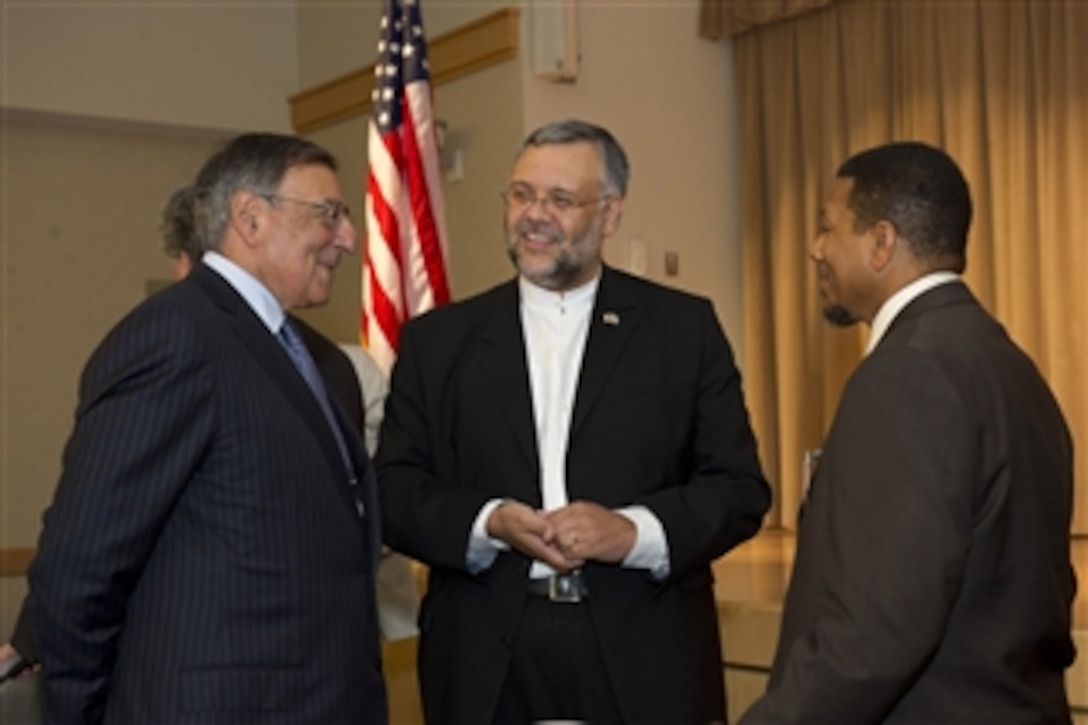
{"x": 569, "y": 452}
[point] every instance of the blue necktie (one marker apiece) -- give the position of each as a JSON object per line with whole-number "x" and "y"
{"x": 304, "y": 363}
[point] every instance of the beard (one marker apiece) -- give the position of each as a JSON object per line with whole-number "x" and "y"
{"x": 556, "y": 276}
{"x": 839, "y": 316}
{"x": 834, "y": 312}
{"x": 559, "y": 272}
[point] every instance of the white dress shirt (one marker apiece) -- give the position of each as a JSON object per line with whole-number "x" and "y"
{"x": 259, "y": 298}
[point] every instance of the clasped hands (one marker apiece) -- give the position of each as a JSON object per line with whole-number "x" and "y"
{"x": 565, "y": 538}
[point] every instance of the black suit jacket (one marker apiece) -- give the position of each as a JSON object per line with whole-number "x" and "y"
{"x": 658, "y": 421}
{"x": 203, "y": 560}
{"x": 933, "y": 581}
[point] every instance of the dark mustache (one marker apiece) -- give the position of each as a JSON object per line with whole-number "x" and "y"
{"x": 536, "y": 226}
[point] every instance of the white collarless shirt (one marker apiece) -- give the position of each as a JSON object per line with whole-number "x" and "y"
{"x": 556, "y": 327}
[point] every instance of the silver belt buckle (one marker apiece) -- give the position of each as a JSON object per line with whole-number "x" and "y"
{"x": 563, "y": 588}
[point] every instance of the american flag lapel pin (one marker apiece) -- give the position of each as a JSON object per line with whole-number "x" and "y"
{"x": 610, "y": 318}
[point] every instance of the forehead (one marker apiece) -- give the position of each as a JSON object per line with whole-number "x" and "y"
{"x": 311, "y": 180}
{"x": 560, "y": 166}
{"x": 836, "y": 205}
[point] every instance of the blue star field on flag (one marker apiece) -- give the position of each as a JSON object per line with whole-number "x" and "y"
{"x": 402, "y": 59}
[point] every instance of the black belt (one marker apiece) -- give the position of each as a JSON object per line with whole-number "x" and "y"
{"x": 563, "y": 588}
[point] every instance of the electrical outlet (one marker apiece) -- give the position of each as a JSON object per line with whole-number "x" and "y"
{"x": 672, "y": 264}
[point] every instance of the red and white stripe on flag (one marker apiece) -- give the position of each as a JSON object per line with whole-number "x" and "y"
{"x": 404, "y": 271}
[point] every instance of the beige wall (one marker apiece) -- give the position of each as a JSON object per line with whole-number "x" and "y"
{"x": 195, "y": 63}
{"x": 486, "y": 125}
{"x": 79, "y": 243}
{"x": 337, "y": 38}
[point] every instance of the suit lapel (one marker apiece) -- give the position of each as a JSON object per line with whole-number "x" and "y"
{"x": 341, "y": 381}
{"x": 270, "y": 356}
{"x": 614, "y": 319}
{"x": 345, "y": 397}
{"x": 502, "y": 359}
{"x": 366, "y": 490}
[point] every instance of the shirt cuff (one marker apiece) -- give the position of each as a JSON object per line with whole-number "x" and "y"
{"x": 651, "y": 549}
{"x": 482, "y": 549}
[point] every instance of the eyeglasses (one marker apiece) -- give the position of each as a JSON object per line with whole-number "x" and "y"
{"x": 519, "y": 198}
{"x": 331, "y": 211}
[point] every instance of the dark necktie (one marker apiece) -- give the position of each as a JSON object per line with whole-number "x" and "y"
{"x": 304, "y": 363}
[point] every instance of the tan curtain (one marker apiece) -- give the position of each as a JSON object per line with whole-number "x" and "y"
{"x": 722, "y": 18}
{"x": 1003, "y": 86}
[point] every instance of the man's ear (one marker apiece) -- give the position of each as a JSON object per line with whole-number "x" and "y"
{"x": 613, "y": 214}
{"x": 248, "y": 215}
{"x": 885, "y": 241}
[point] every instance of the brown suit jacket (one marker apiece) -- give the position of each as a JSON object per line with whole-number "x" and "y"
{"x": 933, "y": 580}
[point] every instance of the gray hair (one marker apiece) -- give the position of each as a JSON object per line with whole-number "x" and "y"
{"x": 616, "y": 168}
{"x": 255, "y": 161}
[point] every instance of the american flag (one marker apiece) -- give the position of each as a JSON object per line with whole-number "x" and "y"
{"x": 404, "y": 273}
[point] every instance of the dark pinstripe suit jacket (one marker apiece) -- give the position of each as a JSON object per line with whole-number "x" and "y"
{"x": 203, "y": 561}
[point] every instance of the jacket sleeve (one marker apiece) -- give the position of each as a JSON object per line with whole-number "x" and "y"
{"x": 424, "y": 516}
{"x": 143, "y": 420}
{"x": 724, "y": 495}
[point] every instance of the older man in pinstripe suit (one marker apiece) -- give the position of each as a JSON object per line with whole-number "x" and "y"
{"x": 209, "y": 555}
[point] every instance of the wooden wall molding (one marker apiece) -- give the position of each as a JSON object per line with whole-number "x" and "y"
{"x": 14, "y": 562}
{"x": 484, "y": 42}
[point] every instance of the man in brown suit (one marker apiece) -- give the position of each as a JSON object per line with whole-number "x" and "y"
{"x": 933, "y": 580}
